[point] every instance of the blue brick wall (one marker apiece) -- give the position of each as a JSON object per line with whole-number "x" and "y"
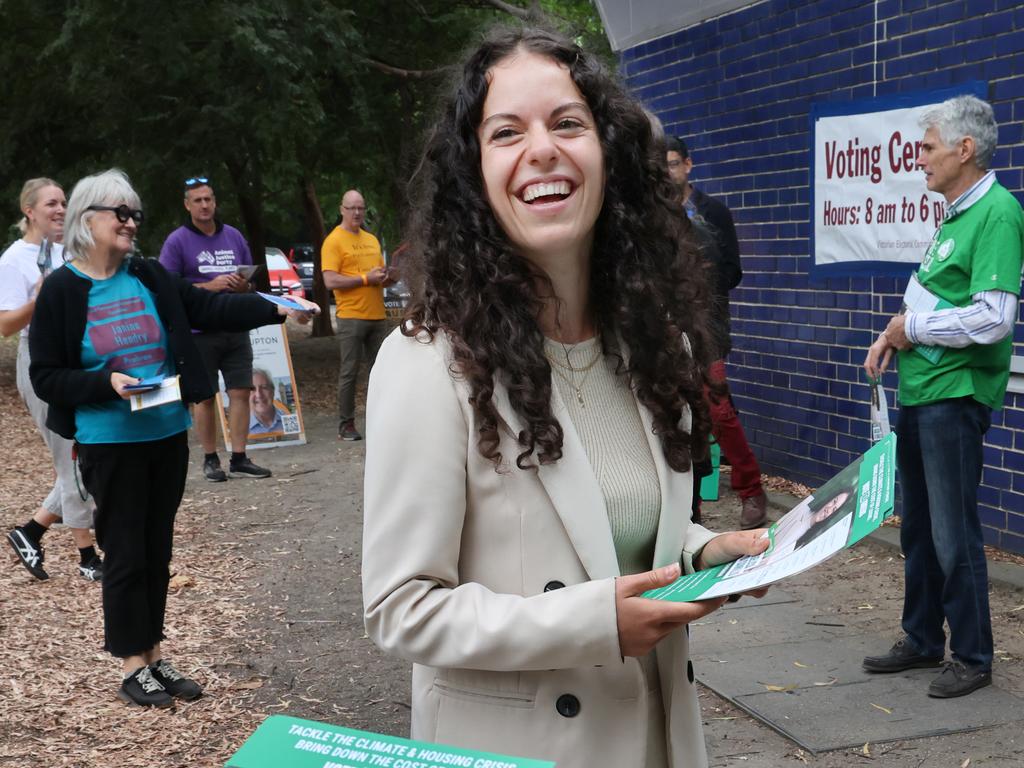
{"x": 739, "y": 87}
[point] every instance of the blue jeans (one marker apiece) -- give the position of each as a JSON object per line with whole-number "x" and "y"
{"x": 939, "y": 456}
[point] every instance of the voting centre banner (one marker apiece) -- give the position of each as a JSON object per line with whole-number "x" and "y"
{"x": 872, "y": 212}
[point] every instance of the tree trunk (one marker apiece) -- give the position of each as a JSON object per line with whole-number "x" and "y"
{"x": 323, "y": 324}
{"x": 249, "y": 190}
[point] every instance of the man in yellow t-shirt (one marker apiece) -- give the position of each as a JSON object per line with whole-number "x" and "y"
{"x": 354, "y": 269}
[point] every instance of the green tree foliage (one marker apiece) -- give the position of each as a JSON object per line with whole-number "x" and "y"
{"x": 284, "y": 104}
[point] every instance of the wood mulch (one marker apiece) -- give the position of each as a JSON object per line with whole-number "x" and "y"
{"x": 58, "y": 707}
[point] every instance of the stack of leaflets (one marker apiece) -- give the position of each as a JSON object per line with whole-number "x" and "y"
{"x": 836, "y": 516}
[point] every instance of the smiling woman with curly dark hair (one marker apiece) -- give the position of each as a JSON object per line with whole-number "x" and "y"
{"x": 530, "y": 429}
{"x": 646, "y": 282}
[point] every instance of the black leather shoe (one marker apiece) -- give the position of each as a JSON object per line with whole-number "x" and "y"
{"x": 959, "y": 679}
{"x": 900, "y": 657}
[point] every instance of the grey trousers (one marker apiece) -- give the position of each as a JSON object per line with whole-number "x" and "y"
{"x": 68, "y": 497}
{"x": 359, "y": 340}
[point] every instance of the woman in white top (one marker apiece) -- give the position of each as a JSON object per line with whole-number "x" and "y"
{"x": 530, "y": 429}
{"x": 22, "y": 268}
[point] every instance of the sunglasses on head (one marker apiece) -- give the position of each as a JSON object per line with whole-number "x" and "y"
{"x": 196, "y": 181}
{"x": 123, "y": 212}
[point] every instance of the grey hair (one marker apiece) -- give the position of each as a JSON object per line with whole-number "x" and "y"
{"x": 266, "y": 374}
{"x": 108, "y": 188}
{"x": 30, "y": 196}
{"x": 965, "y": 116}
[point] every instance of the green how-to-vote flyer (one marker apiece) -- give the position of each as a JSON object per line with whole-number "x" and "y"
{"x": 838, "y": 515}
{"x": 287, "y": 742}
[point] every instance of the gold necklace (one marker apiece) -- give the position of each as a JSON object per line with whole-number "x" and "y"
{"x": 585, "y": 370}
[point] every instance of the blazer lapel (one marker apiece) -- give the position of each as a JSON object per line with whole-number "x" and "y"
{"x": 573, "y": 489}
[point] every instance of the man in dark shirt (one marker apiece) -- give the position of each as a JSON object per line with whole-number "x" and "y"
{"x": 722, "y": 249}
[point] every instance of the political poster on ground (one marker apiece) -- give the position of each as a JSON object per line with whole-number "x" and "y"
{"x": 275, "y": 413}
{"x": 836, "y": 516}
{"x": 872, "y": 212}
{"x": 287, "y": 742}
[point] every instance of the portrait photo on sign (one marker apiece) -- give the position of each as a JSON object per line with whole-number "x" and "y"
{"x": 275, "y": 414}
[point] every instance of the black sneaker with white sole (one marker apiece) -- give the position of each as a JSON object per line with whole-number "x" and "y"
{"x": 143, "y": 690}
{"x": 175, "y": 683}
{"x": 212, "y": 470}
{"x": 92, "y": 570}
{"x": 245, "y": 468}
{"x": 29, "y": 552}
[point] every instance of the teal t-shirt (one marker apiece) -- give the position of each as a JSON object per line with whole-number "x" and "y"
{"x": 123, "y": 333}
{"x": 974, "y": 251}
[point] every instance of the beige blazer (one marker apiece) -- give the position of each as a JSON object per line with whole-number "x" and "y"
{"x": 499, "y": 586}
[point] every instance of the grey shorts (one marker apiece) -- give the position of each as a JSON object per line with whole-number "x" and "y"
{"x": 68, "y": 498}
{"x": 229, "y": 353}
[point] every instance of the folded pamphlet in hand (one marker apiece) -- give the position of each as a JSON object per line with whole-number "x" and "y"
{"x": 836, "y": 516}
{"x": 250, "y": 271}
{"x": 284, "y": 301}
{"x": 159, "y": 391}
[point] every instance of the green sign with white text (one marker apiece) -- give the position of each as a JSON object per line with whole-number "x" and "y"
{"x": 287, "y": 742}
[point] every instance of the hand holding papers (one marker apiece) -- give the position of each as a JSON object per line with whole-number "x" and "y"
{"x": 838, "y": 515}
{"x": 165, "y": 391}
{"x": 301, "y": 309}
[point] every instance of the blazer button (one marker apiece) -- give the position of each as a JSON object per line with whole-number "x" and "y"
{"x": 689, "y": 671}
{"x": 553, "y": 585}
{"x": 567, "y": 705}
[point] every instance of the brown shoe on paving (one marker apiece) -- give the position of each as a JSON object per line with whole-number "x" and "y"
{"x": 753, "y": 514}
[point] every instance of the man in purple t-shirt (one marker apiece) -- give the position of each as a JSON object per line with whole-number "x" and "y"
{"x": 208, "y": 253}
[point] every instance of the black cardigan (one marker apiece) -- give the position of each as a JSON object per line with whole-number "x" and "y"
{"x": 58, "y": 326}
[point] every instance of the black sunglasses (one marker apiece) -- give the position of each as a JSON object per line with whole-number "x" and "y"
{"x": 123, "y": 212}
{"x": 196, "y": 181}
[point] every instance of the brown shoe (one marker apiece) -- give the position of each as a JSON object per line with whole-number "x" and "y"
{"x": 753, "y": 514}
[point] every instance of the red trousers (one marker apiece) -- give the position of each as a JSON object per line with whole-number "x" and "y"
{"x": 728, "y": 432}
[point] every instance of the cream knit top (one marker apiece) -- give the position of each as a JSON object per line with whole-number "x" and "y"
{"x": 607, "y": 419}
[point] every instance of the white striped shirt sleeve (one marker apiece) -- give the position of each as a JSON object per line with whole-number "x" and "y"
{"x": 988, "y": 319}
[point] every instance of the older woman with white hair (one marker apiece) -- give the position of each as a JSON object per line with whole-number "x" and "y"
{"x": 22, "y": 267}
{"x": 104, "y": 322}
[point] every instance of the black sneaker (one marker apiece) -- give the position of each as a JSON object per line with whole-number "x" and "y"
{"x": 175, "y": 683}
{"x": 29, "y": 552}
{"x": 959, "y": 679}
{"x": 93, "y": 570}
{"x": 899, "y": 658}
{"x": 347, "y": 431}
{"x": 212, "y": 470}
{"x": 245, "y": 468}
{"x": 142, "y": 689}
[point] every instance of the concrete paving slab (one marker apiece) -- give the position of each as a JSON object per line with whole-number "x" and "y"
{"x": 776, "y": 618}
{"x": 815, "y": 693}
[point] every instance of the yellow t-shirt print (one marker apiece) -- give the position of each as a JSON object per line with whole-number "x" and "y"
{"x": 352, "y": 255}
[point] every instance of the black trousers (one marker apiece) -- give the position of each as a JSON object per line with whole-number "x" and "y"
{"x": 137, "y": 488}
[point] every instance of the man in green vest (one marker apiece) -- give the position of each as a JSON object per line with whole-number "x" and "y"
{"x": 953, "y": 370}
